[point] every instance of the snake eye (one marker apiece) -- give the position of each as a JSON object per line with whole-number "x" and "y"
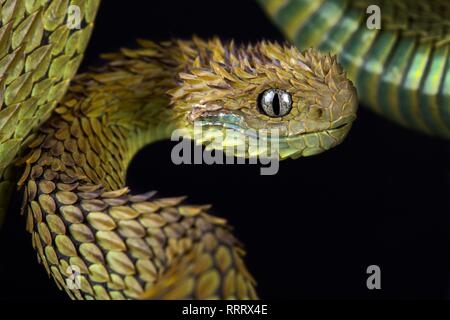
{"x": 275, "y": 103}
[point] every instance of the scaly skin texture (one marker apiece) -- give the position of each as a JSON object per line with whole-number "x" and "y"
{"x": 39, "y": 55}
{"x": 80, "y": 212}
{"x": 401, "y": 71}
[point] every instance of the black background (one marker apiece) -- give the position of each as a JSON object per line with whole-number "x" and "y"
{"x": 311, "y": 230}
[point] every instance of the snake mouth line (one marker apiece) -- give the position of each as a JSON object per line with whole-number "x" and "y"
{"x": 264, "y": 134}
{"x": 341, "y": 126}
{"x": 304, "y": 144}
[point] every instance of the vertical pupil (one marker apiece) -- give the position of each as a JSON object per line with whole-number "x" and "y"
{"x": 276, "y": 104}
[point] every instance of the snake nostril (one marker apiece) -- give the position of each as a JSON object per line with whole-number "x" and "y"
{"x": 315, "y": 112}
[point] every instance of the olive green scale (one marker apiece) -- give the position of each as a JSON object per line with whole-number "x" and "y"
{"x": 401, "y": 71}
{"x": 40, "y": 51}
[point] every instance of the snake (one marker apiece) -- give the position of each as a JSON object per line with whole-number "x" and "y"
{"x": 73, "y": 136}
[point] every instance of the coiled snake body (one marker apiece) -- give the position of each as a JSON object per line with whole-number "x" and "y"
{"x": 82, "y": 217}
{"x": 78, "y": 209}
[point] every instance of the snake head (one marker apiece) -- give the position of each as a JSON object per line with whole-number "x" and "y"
{"x": 265, "y": 93}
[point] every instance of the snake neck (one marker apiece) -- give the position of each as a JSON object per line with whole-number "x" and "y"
{"x": 111, "y": 112}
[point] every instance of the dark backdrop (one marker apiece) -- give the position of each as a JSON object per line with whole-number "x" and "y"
{"x": 311, "y": 230}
